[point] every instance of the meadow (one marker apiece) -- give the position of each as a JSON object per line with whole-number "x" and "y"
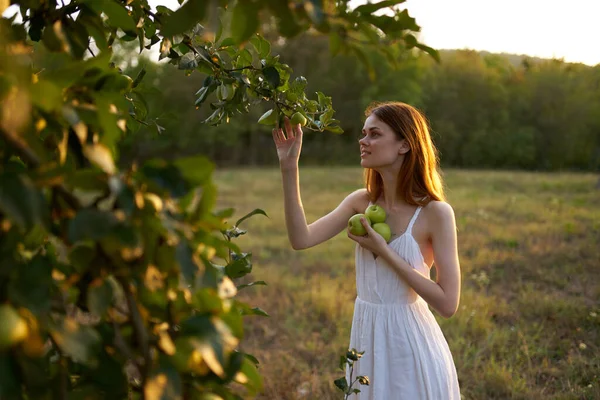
{"x": 528, "y": 326}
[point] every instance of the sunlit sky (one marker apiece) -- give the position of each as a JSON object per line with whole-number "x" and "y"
{"x": 564, "y": 29}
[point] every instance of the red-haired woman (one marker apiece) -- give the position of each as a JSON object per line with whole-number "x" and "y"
{"x": 406, "y": 354}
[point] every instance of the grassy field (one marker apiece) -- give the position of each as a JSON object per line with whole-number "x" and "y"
{"x": 528, "y": 326}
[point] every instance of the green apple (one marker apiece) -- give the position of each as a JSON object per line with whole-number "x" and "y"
{"x": 13, "y": 328}
{"x": 356, "y": 227}
{"x": 384, "y": 230}
{"x": 375, "y": 213}
{"x": 298, "y": 118}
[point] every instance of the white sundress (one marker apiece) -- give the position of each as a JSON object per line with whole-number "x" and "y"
{"x": 406, "y": 355}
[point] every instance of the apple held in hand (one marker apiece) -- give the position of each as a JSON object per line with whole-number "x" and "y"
{"x": 375, "y": 213}
{"x": 384, "y": 230}
{"x": 298, "y": 118}
{"x": 356, "y": 227}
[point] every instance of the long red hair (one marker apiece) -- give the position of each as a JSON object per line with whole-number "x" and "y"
{"x": 419, "y": 180}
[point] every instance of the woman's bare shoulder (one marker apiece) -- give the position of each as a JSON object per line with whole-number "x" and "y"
{"x": 439, "y": 212}
{"x": 359, "y": 200}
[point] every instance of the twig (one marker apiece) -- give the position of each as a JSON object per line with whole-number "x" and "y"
{"x": 138, "y": 328}
{"x": 62, "y": 371}
{"x": 120, "y": 343}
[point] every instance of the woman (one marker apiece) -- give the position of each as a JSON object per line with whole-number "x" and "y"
{"x": 406, "y": 355}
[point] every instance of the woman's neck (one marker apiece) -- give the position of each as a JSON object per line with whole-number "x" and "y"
{"x": 389, "y": 196}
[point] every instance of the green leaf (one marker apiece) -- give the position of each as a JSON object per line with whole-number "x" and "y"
{"x": 108, "y": 119}
{"x": 240, "y": 287}
{"x": 9, "y": 376}
{"x": 101, "y": 156}
{"x": 272, "y": 76}
{"x": 185, "y": 18}
{"x": 365, "y": 61}
{"x": 225, "y": 213}
{"x": 410, "y": 41}
{"x": 268, "y": 118}
{"x": 108, "y": 378}
{"x": 54, "y": 37}
{"x": 240, "y": 266}
{"x": 164, "y": 383}
{"x": 81, "y": 256}
{"x": 334, "y": 129}
{"x": 286, "y": 23}
{"x": 100, "y": 297}
{"x": 187, "y": 265}
{"x": 78, "y": 37}
{"x": 79, "y": 342}
{"x": 244, "y": 58}
{"x": 31, "y": 286}
{"x": 91, "y": 224}
{"x": 370, "y": 8}
{"x": 258, "y": 311}
{"x": 341, "y": 383}
{"x": 250, "y": 214}
{"x": 163, "y": 175}
{"x": 250, "y": 377}
{"x": 21, "y": 202}
{"x": 117, "y": 14}
{"x": 196, "y": 170}
{"x": 244, "y": 21}
{"x": 262, "y": 46}
{"x": 245, "y": 309}
{"x": 90, "y": 179}
{"x": 429, "y": 50}
{"x": 343, "y": 363}
{"x": 207, "y": 300}
{"x": 253, "y": 359}
{"x": 335, "y": 43}
{"x": 207, "y": 201}
{"x": 94, "y": 25}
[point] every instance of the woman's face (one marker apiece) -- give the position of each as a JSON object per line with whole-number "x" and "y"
{"x": 379, "y": 146}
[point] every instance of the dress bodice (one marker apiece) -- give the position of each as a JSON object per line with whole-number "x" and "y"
{"x": 377, "y": 281}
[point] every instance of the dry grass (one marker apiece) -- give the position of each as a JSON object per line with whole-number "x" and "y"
{"x": 529, "y": 321}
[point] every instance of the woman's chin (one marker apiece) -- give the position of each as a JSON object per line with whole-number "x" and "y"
{"x": 366, "y": 164}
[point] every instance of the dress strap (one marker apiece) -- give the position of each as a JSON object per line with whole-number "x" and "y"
{"x": 413, "y": 219}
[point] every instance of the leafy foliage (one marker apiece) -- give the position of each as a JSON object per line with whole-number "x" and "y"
{"x": 347, "y": 362}
{"x": 118, "y": 279}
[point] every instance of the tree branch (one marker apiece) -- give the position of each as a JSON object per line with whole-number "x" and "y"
{"x": 138, "y": 328}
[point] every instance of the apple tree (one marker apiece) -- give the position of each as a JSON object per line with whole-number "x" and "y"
{"x": 119, "y": 280}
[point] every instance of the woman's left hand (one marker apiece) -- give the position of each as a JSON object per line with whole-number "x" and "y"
{"x": 372, "y": 241}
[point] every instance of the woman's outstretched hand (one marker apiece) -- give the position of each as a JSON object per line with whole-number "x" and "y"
{"x": 288, "y": 144}
{"x": 372, "y": 241}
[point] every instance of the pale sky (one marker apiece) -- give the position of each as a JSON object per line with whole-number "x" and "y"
{"x": 566, "y": 29}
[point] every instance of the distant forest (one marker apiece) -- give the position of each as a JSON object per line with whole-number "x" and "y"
{"x": 485, "y": 110}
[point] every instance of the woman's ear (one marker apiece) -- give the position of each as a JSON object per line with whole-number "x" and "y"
{"x": 404, "y": 147}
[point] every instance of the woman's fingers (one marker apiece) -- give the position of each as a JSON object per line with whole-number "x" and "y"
{"x": 281, "y": 135}
{"x": 298, "y": 131}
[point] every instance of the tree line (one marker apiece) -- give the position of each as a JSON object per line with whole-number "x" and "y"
{"x": 485, "y": 110}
